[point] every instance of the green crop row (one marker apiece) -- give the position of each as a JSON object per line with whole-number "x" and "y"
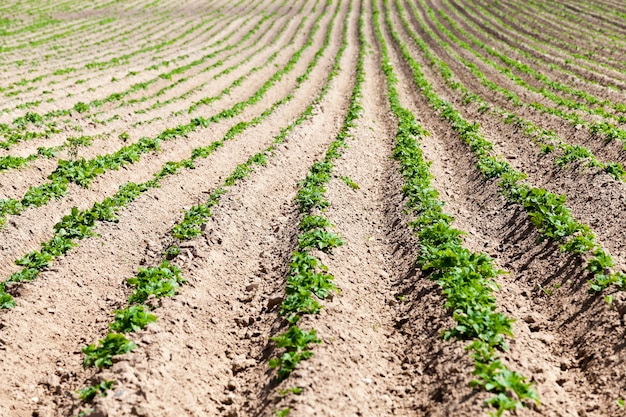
{"x": 79, "y": 224}
{"x": 465, "y": 278}
{"x": 586, "y": 50}
{"x": 216, "y": 64}
{"x": 10, "y": 162}
{"x": 543, "y": 57}
{"x": 72, "y": 144}
{"x": 208, "y": 100}
{"x": 546, "y": 139}
{"x": 602, "y": 129}
{"x": 193, "y": 219}
{"x": 75, "y": 66}
{"x": 308, "y": 279}
{"x": 60, "y": 35}
{"x": 151, "y": 47}
{"x": 544, "y": 52}
{"x": 83, "y": 171}
{"x": 59, "y": 56}
{"x": 114, "y": 97}
{"x": 588, "y": 30}
{"x": 14, "y": 135}
{"x": 18, "y": 133}
{"x": 180, "y": 70}
{"x": 165, "y": 279}
{"x": 546, "y": 210}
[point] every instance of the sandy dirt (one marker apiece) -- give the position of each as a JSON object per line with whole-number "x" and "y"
{"x": 382, "y": 352}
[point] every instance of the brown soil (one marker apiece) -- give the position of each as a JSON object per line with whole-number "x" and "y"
{"x": 382, "y": 353}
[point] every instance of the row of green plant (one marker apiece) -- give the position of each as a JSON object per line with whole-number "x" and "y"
{"x": 68, "y": 30}
{"x": 466, "y": 279}
{"x": 194, "y": 218}
{"x": 10, "y": 162}
{"x": 196, "y": 63}
{"x": 14, "y": 135}
{"x": 31, "y": 118}
{"x": 71, "y": 144}
{"x": 524, "y": 68}
{"x": 547, "y": 139}
{"x": 160, "y": 92}
{"x": 150, "y": 47}
{"x": 605, "y": 10}
{"x": 14, "y": 162}
{"x": 547, "y": 211}
{"x": 58, "y": 53}
{"x": 602, "y": 129}
{"x": 542, "y": 54}
{"x": 79, "y": 224}
{"x": 102, "y": 32}
{"x": 74, "y": 70}
{"x": 542, "y": 57}
{"x": 597, "y": 28}
{"x": 82, "y": 171}
{"x": 35, "y": 25}
{"x": 590, "y": 32}
{"x": 591, "y": 40}
{"x": 166, "y": 278}
{"x": 308, "y": 279}
{"x": 70, "y": 69}
{"x": 150, "y": 31}
{"x": 208, "y": 100}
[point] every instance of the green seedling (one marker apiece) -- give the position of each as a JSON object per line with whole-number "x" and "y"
{"x": 295, "y": 342}
{"x": 292, "y": 390}
{"x": 88, "y": 393}
{"x": 160, "y": 281}
{"x": 350, "y": 183}
{"x": 319, "y": 239}
{"x": 132, "y": 319}
{"x": 101, "y": 355}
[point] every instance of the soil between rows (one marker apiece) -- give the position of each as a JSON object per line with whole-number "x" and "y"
{"x": 593, "y": 197}
{"x": 17, "y": 182}
{"x": 24, "y": 232}
{"x": 553, "y": 343}
{"x": 69, "y": 287}
{"x": 382, "y": 352}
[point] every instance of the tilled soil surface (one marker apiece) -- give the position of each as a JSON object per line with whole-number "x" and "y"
{"x": 84, "y": 81}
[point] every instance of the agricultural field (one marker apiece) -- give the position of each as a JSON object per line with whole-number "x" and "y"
{"x": 312, "y": 208}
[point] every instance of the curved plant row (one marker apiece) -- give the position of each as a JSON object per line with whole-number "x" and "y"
{"x": 465, "y": 278}
{"x": 80, "y": 224}
{"x": 603, "y": 129}
{"x": 586, "y": 24}
{"x": 541, "y": 52}
{"x": 64, "y": 54}
{"x": 308, "y": 280}
{"x": 546, "y": 139}
{"x": 166, "y": 278}
{"x": 116, "y": 61}
{"x": 160, "y": 92}
{"x": 82, "y": 107}
{"x": 547, "y": 211}
{"x": 82, "y": 171}
{"x": 12, "y": 162}
{"x": 18, "y": 132}
{"x": 587, "y": 52}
